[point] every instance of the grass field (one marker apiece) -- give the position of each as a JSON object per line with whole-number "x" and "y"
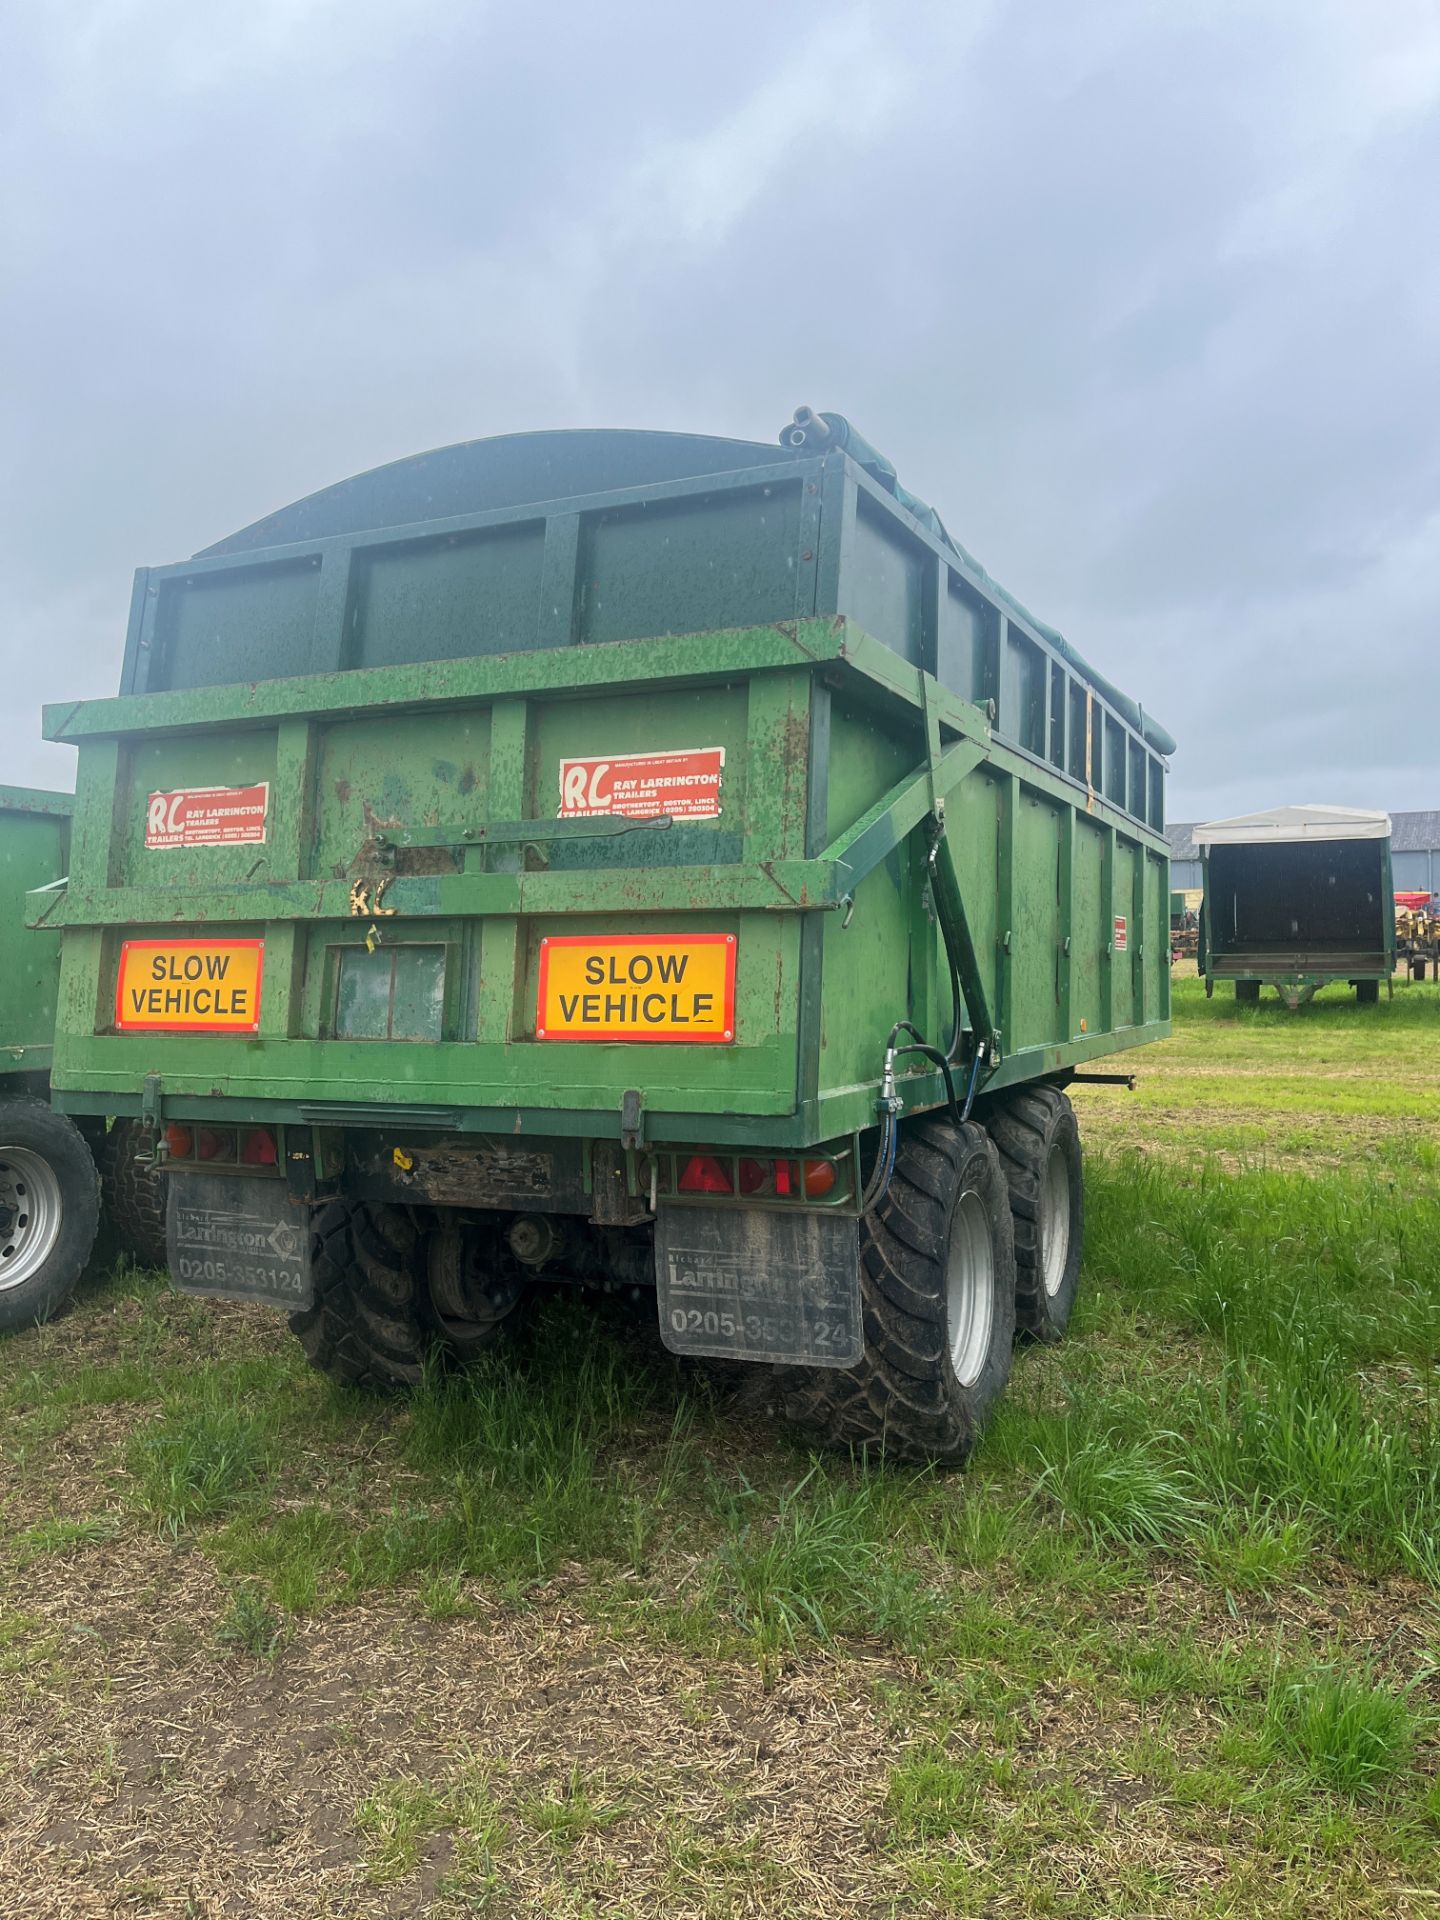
{"x": 583, "y": 1633}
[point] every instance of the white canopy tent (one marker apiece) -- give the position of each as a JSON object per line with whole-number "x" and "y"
{"x": 1283, "y": 825}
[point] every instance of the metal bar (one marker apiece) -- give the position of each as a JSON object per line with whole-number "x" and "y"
{"x": 407, "y": 533}
{"x": 333, "y": 608}
{"x": 522, "y": 832}
{"x": 137, "y": 657}
{"x": 780, "y": 886}
{"x": 1065, "y": 959}
{"x": 559, "y": 575}
{"x": 950, "y": 907}
{"x": 696, "y": 657}
{"x": 861, "y": 848}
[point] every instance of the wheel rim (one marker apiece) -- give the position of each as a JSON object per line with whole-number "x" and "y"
{"x": 969, "y": 1288}
{"x": 469, "y": 1297}
{"x": 31, "y": 1214}
{"x": 1055, "y": 1219}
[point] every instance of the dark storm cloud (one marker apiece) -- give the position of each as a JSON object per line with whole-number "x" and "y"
{"x": 1143, "y": 298}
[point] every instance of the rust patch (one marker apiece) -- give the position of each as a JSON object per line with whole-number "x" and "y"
{"x": 342, "y": 791}
{"x": 375, "y": 826}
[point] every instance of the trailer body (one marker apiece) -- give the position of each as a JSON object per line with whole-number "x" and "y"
{"x": 34, "y": 852}
{"x": 1297, "y": 898}
{"x": 515, "y": 828}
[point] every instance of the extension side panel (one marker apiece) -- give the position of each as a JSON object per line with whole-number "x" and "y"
{"x": 34, "y": 846}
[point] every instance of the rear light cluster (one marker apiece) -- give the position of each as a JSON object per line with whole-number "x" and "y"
{"x": 228, "y": 1146}
{"x": 757, "y": 1179}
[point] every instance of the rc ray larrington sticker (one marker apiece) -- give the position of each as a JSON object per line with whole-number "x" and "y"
{"x": 683, "y": 783}
{"x": 207, "y": 817}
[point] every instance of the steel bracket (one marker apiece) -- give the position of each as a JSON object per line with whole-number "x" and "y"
{"x": 150, "y": 1105}
{"x": 632, "y": 1119}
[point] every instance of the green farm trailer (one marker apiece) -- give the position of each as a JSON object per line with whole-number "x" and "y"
{"x": 1297, "y": 898}
{"x": 634, "y": 859}
{"x": 49, "y": 1185}
{"x": 58, "y": 1177}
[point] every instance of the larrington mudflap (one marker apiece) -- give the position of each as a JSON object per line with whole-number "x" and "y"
{"x": 238, "y": 1239}
{"x": 745, "y": 1283}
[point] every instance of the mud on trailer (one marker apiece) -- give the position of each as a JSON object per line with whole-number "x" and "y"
{"x": 636, "y": 859}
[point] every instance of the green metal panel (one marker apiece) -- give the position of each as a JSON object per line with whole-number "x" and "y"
{"x": 34, "y": 844}
{"x": 447, "y": 598}
{"x": 504, "y": 547}
{"x": 1037, "y": 942}
{"x": 406, "y": 662}
{"x": 449, "y": 795}
{"x": 237, "y": 624}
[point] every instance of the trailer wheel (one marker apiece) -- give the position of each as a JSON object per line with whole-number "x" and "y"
{"x": 1367, "y": 993}
{"x": 133, "y": 1196}
{"x": 1247, "y": 993}
{"x": 49, "y": 1210}
{"x": 937, "y": 1278}
{"x": 385, "y": 1298}
{"x": 1039, "y": 1143}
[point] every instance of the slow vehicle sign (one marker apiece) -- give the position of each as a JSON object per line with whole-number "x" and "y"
{"x": 637, "y": 987}
{"x": 189, "y": 986}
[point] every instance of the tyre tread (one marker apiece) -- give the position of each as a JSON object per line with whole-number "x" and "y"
{"x": 898, "y": 1400}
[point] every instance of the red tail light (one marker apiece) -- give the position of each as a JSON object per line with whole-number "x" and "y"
{"x": 214, "y": 1143}
{"x": 179, "y": 1142}
{"x": 754, "y": 1176}
{"x": 258, "y": 1149}
{"x": 704, "y": 1174}
{"x": 819, "y": 1176}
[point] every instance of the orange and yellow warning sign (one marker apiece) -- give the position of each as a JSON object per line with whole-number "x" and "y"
{"x": 637, "y": 987}
{"x": 189, "y": 986}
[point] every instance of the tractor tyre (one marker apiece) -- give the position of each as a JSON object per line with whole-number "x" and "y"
{"x": 1038, "y": 1138}
{"x": 389, "y": 1296}
{"x": 49, "y": 1210}
{"x": 937, "y": 1282}
{"x": 132, "y": 1194}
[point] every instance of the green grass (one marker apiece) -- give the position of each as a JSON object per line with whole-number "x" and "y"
{"x": 577, "y": 1807}
{"x": 251, "y": 1624}
{"x": 394, "y": 1820}
{"x": 1345, "y": 1731}
{"x": 1182, "y": 1608}
{"x": 818, "y": 1564}
{"x": 197, "y": 1461}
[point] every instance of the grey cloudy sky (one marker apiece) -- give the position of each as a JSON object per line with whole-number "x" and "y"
{"x": 1143, "y": 294}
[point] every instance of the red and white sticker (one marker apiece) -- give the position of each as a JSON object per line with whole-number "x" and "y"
{"x": 207, "y": 817}
{"x": 1122, "y": 934}
{"x": 684, "y": 784}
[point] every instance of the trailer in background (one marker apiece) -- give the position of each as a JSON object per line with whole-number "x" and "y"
{"x": 1295, "y": 899}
